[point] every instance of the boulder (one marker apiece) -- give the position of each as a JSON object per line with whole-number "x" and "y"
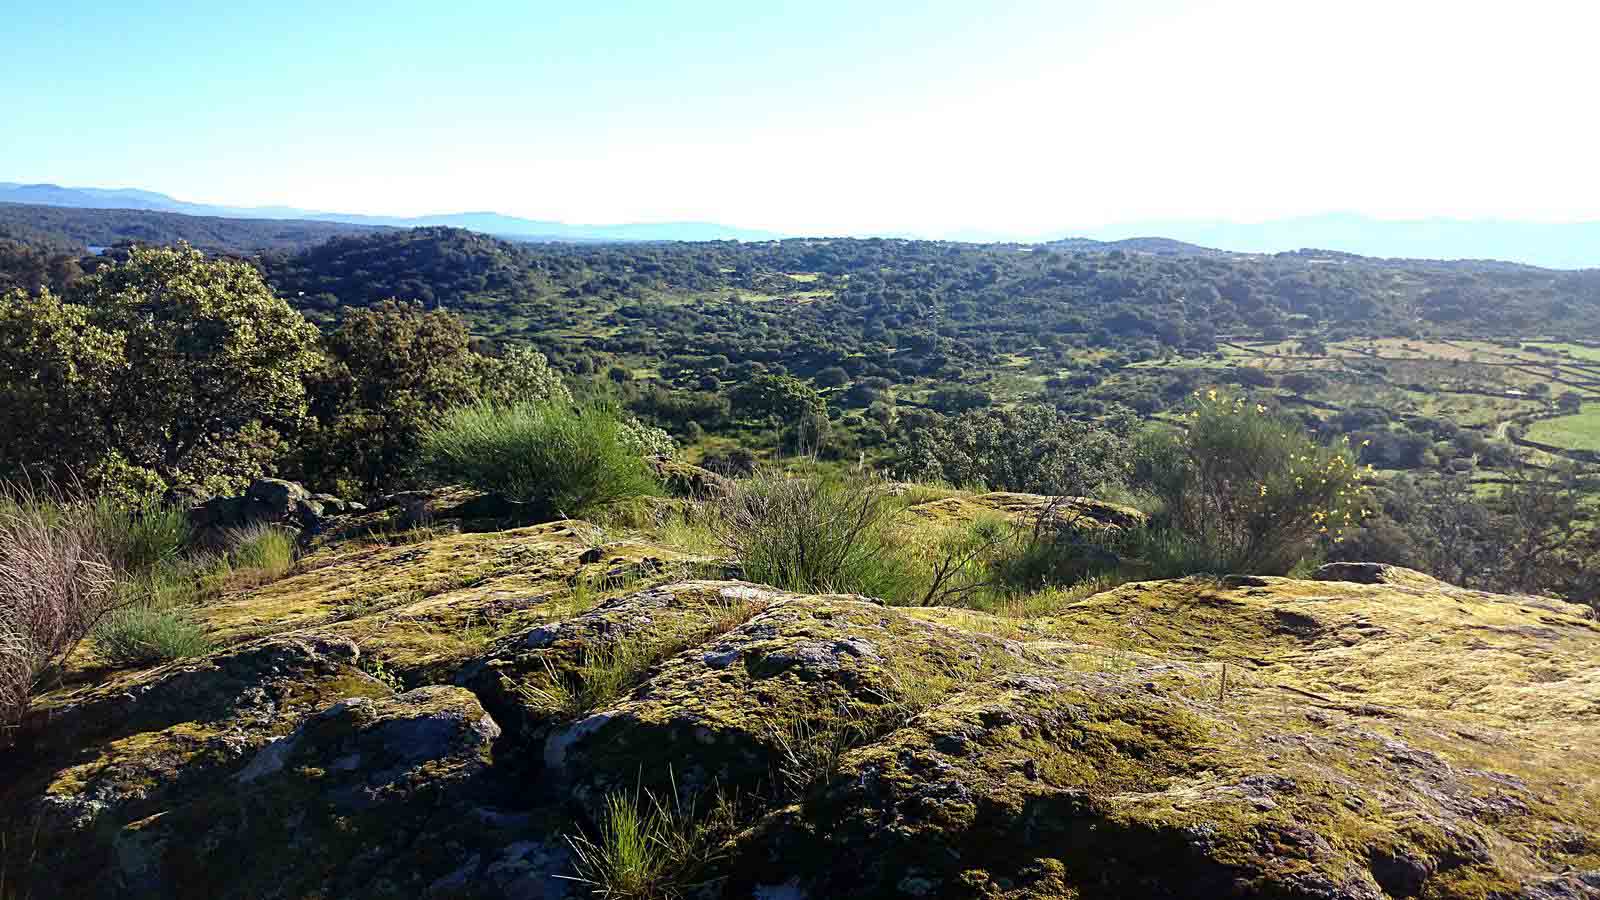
{"x": 269, "y": 501}
{"x": 371, "y": 796}
{"x": 688, "y": 481}
{"x": 1376, "y": 573}
{"x": 275, "y": 498}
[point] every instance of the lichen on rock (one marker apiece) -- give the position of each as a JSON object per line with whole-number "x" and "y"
{"x": 1372, "y": 733}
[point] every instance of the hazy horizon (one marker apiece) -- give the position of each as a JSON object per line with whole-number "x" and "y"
{"x": 1026, "y": 118}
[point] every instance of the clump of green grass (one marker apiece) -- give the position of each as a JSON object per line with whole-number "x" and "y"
{"x": 138, "y": 539}
{"x": 257, "y": 554}
{"x": 560, "y": 459}
{"x": 147, "y": 633}
{"x": 810, "y": 532}
{"x": 263, "y": 549}
{"x": 647, "y": 848}
{"x": 605, "y": 672}
{"x": 807, "y": 750}
{"x": 154, "y": 621}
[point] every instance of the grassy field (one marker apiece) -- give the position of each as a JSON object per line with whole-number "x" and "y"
{"x": 1575, "y": 351}
{"x": 1580, "y": 431}
{"x": 1483, "y": 385}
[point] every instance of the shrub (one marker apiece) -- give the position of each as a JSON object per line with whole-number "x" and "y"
{"x": 56, "y": 582}
{"x": 1249, "y": 491}
{"x": 812, "y": 533}
{"x": 561, "y": 459}
{"x": 646, "y": 440}
{"x": 736, "y": 462}
{"x": 522, "y": 375}
{"x": 1036, "y": 449}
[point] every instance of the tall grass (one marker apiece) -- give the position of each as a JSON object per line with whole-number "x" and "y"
{"x": 647, "y": 848}
{"x": 140, "y": 538}
{"x": 56, "y": 582}
{"x": 809, "y": 532}
{"x": 261, "y": 552}
{"x": 156, "y": 622}
{"x": 561, "y": 459}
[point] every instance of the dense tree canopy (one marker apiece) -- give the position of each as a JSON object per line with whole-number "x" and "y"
{"x": 166, "y": 370}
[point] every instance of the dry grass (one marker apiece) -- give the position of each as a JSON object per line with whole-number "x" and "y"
{"x": 56, "y": 583}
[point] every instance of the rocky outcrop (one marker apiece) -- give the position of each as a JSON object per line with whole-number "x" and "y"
{"x": 681, "y": 479}
{"x": 269, "y": 501}
{"x": 436, "y": 716}
{"x": 1025, "y": 509}
{"x": 1376, "y": 573}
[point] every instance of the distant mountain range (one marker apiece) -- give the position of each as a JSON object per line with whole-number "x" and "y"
{"x": 1550, "y": 245}
{"x": 1574, "y": 245}
{"x": 486, "y": 222}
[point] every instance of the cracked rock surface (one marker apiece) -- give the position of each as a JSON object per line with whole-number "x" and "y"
{"x": 389, "y": 721}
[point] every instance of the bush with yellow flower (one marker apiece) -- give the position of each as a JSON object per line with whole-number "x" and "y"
{"x": 1255, "y": 488}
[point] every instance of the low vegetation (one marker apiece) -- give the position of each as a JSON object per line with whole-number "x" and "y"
{"x": 56, "y": 583}
{"x": 645, "y": 847}
{"x": 126, "y": 579}
{"x": 812, "y": 533}
{"x": 1252, "y": 489}
{"x": 559, "y": 459}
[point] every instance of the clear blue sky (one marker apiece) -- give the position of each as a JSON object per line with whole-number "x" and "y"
{"x": 931, "y": 116}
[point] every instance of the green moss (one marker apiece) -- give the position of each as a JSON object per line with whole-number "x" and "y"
{"x": 1088, "y": 743}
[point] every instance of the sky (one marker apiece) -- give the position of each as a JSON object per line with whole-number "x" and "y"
{"x": 1020, "y": 117}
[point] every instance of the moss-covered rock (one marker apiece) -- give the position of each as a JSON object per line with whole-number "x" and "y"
{"x": 371, "y": 796}
{"x": 1025, "y": 509}
{"x": 427, "y": 713}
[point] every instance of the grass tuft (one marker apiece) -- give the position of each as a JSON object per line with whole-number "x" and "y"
{"x": 145, "y": 633}
{"x": 57, "y": 581}
{"x": 560, "y": 459}
{"x": 813, "y": 533}
{"x": 647, "y": 848}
